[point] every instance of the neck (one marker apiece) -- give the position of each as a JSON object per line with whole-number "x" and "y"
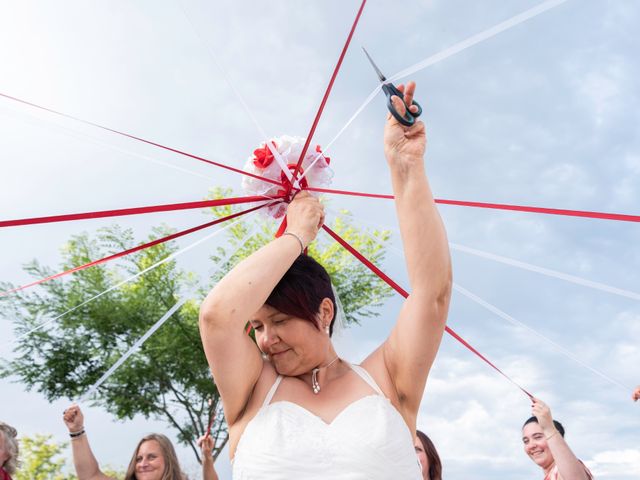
{"x": 548, "y": 468}
{"x": 325, "y": 371}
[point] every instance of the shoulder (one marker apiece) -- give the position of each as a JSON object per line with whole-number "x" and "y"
{"x": 375, "y": 366}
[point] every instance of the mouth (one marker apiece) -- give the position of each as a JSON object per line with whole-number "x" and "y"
{"x": 277, "y": 354}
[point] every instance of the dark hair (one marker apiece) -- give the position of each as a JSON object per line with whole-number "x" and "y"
{"x": 556, "y": 424}
{"x": 301, "y": 291}
{"x": 435, "y": 465}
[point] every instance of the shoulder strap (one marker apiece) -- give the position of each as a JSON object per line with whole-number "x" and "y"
{"x": 272, "y": 391}
{"x": 364, "y": 375}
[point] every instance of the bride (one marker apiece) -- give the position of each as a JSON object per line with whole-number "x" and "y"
{"x": 293, "y": 407}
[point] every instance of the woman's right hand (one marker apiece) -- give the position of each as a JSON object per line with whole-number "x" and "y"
{"x": 542, "y": 412}
{"x": 305, "y": 216}
{"x": 73, "y": 418}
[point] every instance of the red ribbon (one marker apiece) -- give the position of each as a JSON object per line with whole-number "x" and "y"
{"x": 405, "y": 294}
{"x": 135, "y": 249}
{"x": 149, "y": 142}
{"x": 498, "y": 206}
{"x": 132, "y": 211}
{"x": 328, "y": 91}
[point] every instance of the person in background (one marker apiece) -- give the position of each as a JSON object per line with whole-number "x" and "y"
{"x": 544, "y": 442}
{"x": 154, "y": 458}
{"x": 428, "y": 457}
{"x": 636, "y": 394}
{"x": 8, "y": 451}
{"x": 206, "y": 447}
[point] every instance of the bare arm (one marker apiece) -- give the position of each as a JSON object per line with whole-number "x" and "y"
{"x": 85, "y": 463}
{"x": 569, "y": 467}
{"x": 206, "y": 447}
{"x": 234, "y": 359}
{"x": 411, "y": 348}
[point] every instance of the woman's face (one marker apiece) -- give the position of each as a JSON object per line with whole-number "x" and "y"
{"x": 422, "y": 458}
{"x": 535, "y": 445}
{"x": 292, "y": 344}
{"x": 149, "y": 461}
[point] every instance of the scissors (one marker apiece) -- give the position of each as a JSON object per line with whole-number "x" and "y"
{"x": 389, "y": 89}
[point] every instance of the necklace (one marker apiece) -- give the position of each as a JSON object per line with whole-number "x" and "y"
{"x": 314, "y": 376}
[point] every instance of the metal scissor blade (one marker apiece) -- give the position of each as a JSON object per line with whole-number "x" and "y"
{"x": 375, "y": 67}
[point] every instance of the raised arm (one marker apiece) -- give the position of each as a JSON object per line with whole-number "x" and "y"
{"x": 85, "y": 463}
{"x": 234, "y": 359}
{"x": 206, "y": 447}
{"x": 569, "y": 467}
{"x": 411, "y": 348}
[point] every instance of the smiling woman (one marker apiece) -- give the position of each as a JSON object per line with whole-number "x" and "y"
{"x": 154, "y": 458}
{"x": 544, "y": 442}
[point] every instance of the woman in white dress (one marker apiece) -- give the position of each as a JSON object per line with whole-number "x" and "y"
{"x": 296, "y": 410}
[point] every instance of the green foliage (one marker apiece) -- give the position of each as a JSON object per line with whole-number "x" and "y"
{"x": 40, "y": 459}
{"x": 43, "y": 459}
{"x": 168, "y": 377}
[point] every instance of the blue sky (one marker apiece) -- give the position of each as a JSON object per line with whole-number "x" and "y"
{"x": 543, "y": 114}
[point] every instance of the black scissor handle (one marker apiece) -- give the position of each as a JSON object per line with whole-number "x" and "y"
{"x": 409, "y": 117}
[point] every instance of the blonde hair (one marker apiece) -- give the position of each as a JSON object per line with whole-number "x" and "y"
{"x": 172, "y": 469}
{"x": 11, "y": 445}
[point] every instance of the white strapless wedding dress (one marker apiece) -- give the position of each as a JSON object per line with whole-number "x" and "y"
{"x": 368, "y": 440}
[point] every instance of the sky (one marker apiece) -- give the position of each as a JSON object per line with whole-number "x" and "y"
{"x": 543, "y": 114}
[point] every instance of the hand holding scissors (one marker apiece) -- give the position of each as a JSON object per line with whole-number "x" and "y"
{"x": 412, "y": 111}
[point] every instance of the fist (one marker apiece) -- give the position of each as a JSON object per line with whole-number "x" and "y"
{"x": 305, "y": 216}
{"x": 73, "y": 418}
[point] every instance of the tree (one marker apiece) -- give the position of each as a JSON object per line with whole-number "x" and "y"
{"x": 168, "y": 377}
{"x": 38, "y": 460}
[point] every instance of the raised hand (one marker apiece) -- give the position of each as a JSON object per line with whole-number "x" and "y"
{"x": 542, "y": 412}
{"x": 305, "y": 216}
{"x": 404, "y": 144}
{"x": 73, "y": 418}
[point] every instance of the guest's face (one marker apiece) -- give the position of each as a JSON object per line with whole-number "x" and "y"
{"x": 535, "y": 445}
{"x": 422, "y": 458}
{"x": 149, "y": 461}
{"x": 294, "y": 345}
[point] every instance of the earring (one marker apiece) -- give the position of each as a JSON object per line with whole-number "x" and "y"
{"x": 326, "y": 329}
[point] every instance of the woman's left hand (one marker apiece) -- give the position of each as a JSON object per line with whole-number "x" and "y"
{"x": 542, "y": 412}
{"x": 404, "y": 144}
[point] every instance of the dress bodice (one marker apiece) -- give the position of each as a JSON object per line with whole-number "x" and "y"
{"x": 368, "y": 440}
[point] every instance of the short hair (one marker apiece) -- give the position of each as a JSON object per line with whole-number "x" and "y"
{"x": 435, "y": 465}
{"x": 301, "y": 291}
{"x": 556, "y": 424}
{"x": 172, "y": 469}
{"x": 11, "y": 444}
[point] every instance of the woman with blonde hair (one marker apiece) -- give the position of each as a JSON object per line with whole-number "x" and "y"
{"x": 8, "y": 451}
{"x": 153, "y": 459}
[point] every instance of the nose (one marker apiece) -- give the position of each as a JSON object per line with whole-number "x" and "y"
{"x": 268, "y": 338}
